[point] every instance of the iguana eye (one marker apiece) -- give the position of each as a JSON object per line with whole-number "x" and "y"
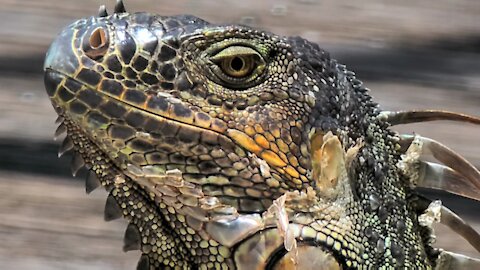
{"x": 238, "y": 65}
{"x": 96, "y": 43}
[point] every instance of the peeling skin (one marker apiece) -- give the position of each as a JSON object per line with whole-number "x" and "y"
{"x": 352, "y": 153}
{"x": 409, "y": 162}
{"x": 431, "y": 216}
{"x": 278, "y": 212}
{"x": 264, "y": 167}
{"x": 170, "y": 188}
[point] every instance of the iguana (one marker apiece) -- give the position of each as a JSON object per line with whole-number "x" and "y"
{"x": 228, "y": 147}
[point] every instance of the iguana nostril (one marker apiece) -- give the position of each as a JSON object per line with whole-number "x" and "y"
{"x": 98, "y": 43}
{"x": 98, "y": 39}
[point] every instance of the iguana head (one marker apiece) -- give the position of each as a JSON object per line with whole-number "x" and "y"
{"x": 180, "y": 118}
{"x": 233, "y": 108}
{"x": 229, "y": 106}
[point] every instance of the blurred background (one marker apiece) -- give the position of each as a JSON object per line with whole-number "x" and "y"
{"x": 412, "y": 54}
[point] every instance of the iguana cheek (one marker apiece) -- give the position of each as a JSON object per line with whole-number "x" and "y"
{"x": 256, "y": 147}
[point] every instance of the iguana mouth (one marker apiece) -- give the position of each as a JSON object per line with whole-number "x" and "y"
{"x": 168, "y": 108}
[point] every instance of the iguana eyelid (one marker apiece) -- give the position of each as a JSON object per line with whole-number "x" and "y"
{"x": 234, "y": 51}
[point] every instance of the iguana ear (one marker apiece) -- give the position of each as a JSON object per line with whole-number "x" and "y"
{"x": 330, "y": 162}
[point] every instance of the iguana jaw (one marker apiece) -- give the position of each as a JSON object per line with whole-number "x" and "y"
{"x": 144, "y": 138}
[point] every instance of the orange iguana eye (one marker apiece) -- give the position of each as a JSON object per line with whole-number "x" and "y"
{"x": 97, "y": 43}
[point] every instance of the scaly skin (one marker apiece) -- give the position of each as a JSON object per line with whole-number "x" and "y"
{"x": 194, "y": 145}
